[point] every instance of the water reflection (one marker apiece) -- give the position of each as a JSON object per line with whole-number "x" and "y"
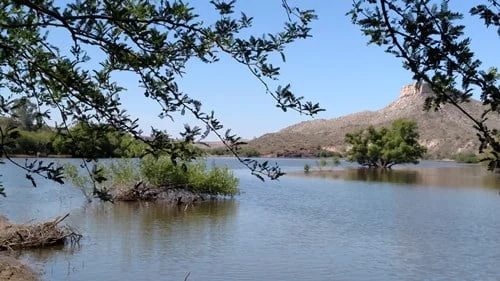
{"x": 138, "y": 236}
{"x": 462, "y": 176}
{"x": 298, "y": 228}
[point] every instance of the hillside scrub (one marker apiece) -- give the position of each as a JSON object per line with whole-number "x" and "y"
{"x": 465, "y": 157}
{"x": 244, "y": 151}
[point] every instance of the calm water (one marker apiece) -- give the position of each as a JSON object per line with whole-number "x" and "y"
{"x": 429, "y": 223}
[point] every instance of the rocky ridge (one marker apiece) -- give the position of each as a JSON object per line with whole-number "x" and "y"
{"x": 445, "y": 132}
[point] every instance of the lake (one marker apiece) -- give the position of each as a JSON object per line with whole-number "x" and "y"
{"x": 434, "y": 221}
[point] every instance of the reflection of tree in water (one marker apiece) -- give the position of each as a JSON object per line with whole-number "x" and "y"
{"x": 459, "y": 176}
{"x": 147, "y": 226}
{"x": 38, "y": 258}
{"x": 383, "y": 175}
{"x": 491, "y": 181}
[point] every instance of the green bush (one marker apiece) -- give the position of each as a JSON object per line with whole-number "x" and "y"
{"x": 218, "y": 151}
{"x": 335, "y": 161}
{"x": 121, "y": 172}
{"x": 158, "y": 172}
{"x": 161, "y": 171}
{"x": 466, "y": 157}
{"x": 247, "y": 151}
{"x": 215, "y": 181}
{"x": 320, "y": 153}
{"x": 81, "y": 182}
{"x": 307, "y": 168}
{"x": 244, "y": 151}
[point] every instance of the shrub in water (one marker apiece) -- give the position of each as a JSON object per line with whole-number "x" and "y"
{"x": 195, "y": 176}
{"x": 307, "y": 168}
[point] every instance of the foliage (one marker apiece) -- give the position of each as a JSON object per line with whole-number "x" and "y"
{"x": 122, "y": 172}
{"x": 195, "y": 176}
{"x": 81, "y": 140}
{"x": 320, "y": 153}
{"x": 385, "y": 147}
{"x": 218, "y": 151}
{"x": 244, "y": 151}
{"x": 89, "y": 181}
{"x": 307, "y": 168}
{"x": 96, "y": 141}
{"x": 30, "y": 142}
{"x": 322, "y": 163}
{"x": 81, "y": 181}
{"x": 215, "y": 181}
{"x": 161, "y": 171}
{"x": 335, "y": 161}
{"x": 151, "y": 40}
{"x": 248, "y": 151}
{"x": 25, "y": 115}
{"x": 431, "y": 42}
{"x": 469, "y": 157}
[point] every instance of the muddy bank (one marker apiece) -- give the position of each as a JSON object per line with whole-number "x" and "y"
{"x": 13, "y": 270}
{"x": 22, "y": 236}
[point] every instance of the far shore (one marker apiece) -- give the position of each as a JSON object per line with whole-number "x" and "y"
{"x": 214, "y": 156}
{"x": 40, "y": 156}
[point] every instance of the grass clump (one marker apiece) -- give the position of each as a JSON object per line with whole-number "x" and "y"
{"x": 307, "y": 168}
{"x": 194, "y": 176}
{"x": 216, "y": 181}
{"x": 155, "y": 173}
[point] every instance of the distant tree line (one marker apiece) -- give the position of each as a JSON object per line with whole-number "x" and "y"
{"x": 29, "y": 136}
{"x": 245, "y": 151}
{"x": 80, "y": 140}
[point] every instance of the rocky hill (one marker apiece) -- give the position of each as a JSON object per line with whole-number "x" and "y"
{"x": 445, "y": 132}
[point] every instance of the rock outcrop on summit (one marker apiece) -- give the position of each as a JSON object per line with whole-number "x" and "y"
{"x": 445, "y": 132}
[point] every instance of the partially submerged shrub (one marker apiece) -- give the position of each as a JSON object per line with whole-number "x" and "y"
{"x": 307, "y": 168}
{"x": 82, "y": 181}
{"x": 335, "y": 161}
{"x": 159, "y": 173}
{"x": 321, "y": 153}
{"x": 216, "y": 181}
{"x": 195, "y": 176}
{"x": 121, "y": 172}
{"x": 162, "y": 171}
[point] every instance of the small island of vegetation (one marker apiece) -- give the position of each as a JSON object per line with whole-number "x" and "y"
{"x": 385, "y": 147}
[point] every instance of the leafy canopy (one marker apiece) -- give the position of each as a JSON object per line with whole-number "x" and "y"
{"x": 385, "y": 147}
{"x": 431, "y": 42}
{"x": 153, "y": 40}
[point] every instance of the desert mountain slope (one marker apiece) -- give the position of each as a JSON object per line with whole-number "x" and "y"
{"x": 445, "y": 132}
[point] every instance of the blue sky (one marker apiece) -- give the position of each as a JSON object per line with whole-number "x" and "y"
{"x": 335, "y": 68}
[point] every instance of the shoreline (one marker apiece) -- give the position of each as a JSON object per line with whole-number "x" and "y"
{"x": 13, "y": 269}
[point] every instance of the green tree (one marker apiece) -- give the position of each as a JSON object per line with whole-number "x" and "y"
{"x": 384, "y": 148}
{"x": 429, "y": 38}
{"x": 153, "y": 40}
{"x": 25, "y": 114}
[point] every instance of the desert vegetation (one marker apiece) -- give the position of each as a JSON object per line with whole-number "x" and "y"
{"x": 385, "y": 147}
{"x": 152, "y": 178}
